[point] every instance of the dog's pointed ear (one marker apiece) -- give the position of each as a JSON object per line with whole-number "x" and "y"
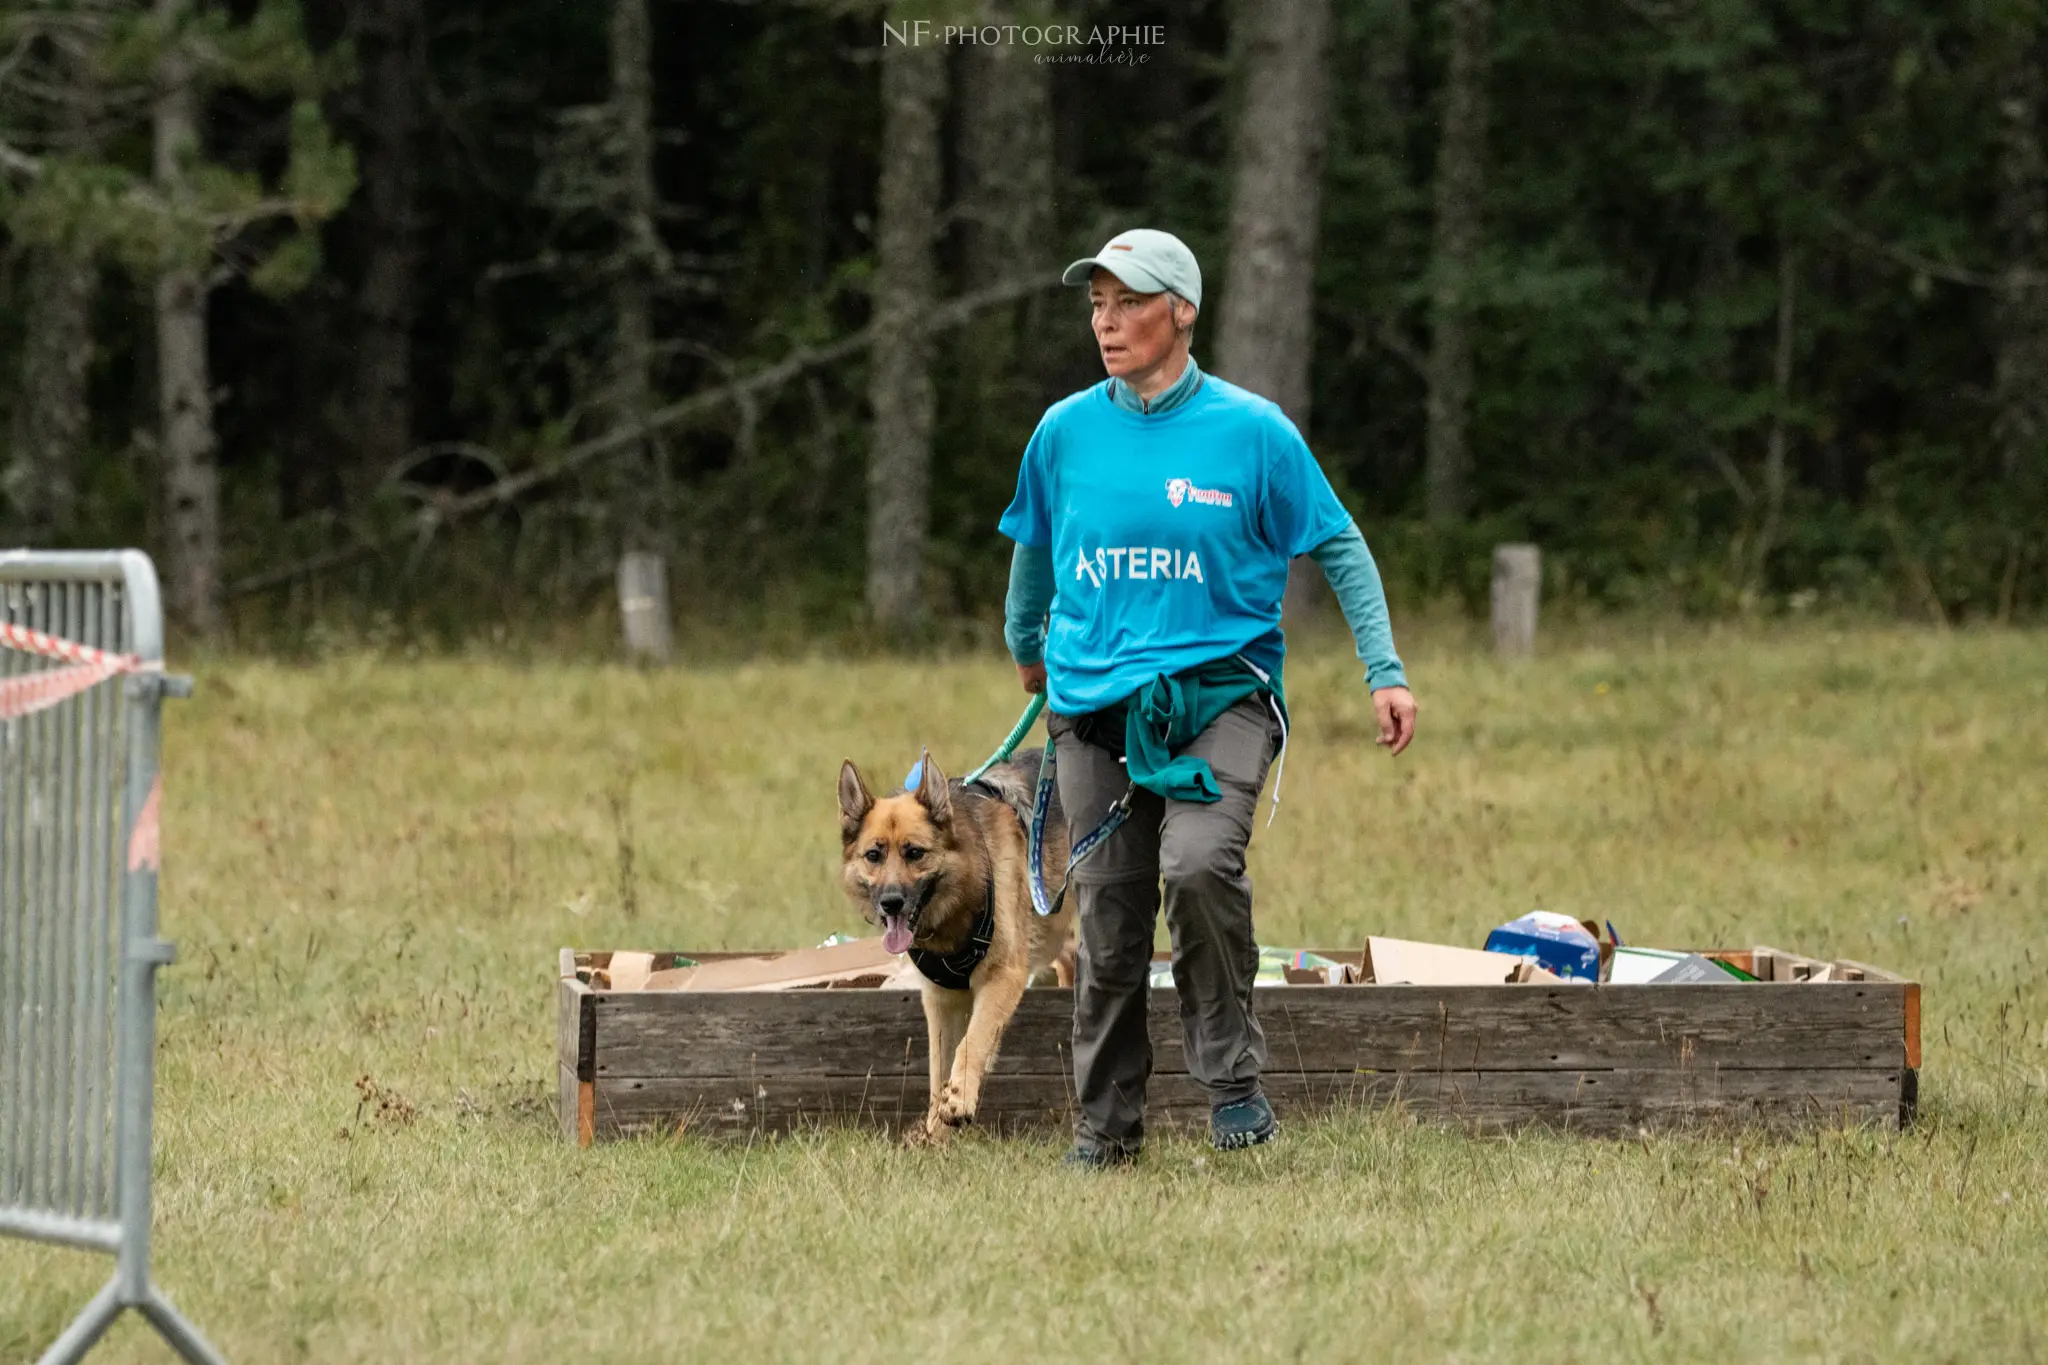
{"x": 931, "y": 790}
{"x": 854, "y": 801}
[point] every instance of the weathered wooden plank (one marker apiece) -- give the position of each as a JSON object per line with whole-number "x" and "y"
{"x": 1489, "y": 1028}
{"x": 1787, "y": 967}
{"x": 1870, "y": 973}
{"x": 1599, "y": 1103}
{"x": 1308, "y": 1028}
{"x": 566, "y": 1101}
{"x": 566, "y": 1021}
{"x": 576, "y": 1027}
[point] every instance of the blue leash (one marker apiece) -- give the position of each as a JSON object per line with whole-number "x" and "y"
{"x": 1043, "y": 903}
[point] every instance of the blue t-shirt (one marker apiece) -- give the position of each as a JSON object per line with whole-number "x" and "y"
{"x": 1170, "y": 535}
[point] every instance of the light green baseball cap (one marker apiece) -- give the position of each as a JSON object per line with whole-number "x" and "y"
{"x": 1147, "y": 260}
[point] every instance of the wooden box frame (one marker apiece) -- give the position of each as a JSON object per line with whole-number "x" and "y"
{"x": 1784, "y": 1053}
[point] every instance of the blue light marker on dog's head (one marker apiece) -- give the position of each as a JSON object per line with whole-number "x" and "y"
{"x": 915, "y": 777}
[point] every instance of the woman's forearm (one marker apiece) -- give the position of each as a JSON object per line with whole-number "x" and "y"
{"x": 1353, "y": 576}
{"x": 1029, "y": 599}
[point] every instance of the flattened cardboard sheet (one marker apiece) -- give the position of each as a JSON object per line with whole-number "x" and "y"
{"x": 1404, "y": 962}
{"x": 783, "y": 971}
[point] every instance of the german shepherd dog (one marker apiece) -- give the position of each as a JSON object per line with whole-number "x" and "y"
{"x": 922, "y": 866}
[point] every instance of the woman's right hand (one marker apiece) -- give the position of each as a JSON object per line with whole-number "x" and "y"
{"x": 1032, "y": 676}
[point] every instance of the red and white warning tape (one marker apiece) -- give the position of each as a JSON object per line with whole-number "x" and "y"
{"x": 86, "y": 667}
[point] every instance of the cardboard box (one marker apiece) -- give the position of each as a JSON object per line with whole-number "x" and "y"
{"x": 1403, "y": 962}
{"x": 1335, "y": 974}
{"x": 840, "y": 964}
{"x": 1557, "y": 943}
{"x": 629, "y": 971}
{"x": 905, "y": 978}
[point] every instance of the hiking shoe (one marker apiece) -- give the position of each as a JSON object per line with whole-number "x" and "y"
{"x": 1090, "y": 1156}
{"x": 1242, "y": 1123}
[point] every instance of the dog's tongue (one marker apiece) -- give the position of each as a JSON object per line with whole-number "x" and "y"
{"x": 896, "y": 935}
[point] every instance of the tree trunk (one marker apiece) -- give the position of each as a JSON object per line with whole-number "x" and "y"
{"x": 392, "y": 35}
{"x": 1006, "y": 193}
{"x": 1781, "y": 398}
{"x": 639, "y": 495}
{"x": 184, "y": 389}
{"x": 1004, "y": 364}
{"x": 52, "y": 420}
{"x": 1264, "y": 341}
{"x": 1005, "y": 158}
{"x": 1460, "y": 188}
{"x": 2020, "y": 317}
{"x": 50, "y": 416}
{"x": 900, "y": 382}
{"x": 1390, "y": 91}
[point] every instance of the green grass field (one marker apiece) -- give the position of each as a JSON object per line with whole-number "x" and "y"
{"x": 370, "y": 865}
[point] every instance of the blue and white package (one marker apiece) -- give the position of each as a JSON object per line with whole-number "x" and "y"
{"x": 1557, "y": 943}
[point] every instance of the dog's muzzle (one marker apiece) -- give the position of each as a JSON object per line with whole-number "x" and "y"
{"x": 899, "y": 908}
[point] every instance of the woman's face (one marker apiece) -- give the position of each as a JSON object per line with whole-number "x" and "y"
{"x": 1134, "y": 331}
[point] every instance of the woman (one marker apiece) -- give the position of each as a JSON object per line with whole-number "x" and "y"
{"x": 1154, "y": 519}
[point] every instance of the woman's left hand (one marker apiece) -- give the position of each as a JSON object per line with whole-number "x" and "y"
{"x": 1396, "y": 709}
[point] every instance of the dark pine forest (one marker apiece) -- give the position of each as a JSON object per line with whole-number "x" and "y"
{"x": 416, "y": 316}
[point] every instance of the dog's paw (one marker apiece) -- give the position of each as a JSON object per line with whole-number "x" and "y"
{"x": 933, "y": 1130}
{"x": 955, "y": 1108}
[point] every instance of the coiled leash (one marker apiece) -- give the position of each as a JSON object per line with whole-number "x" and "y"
{"x": 1170, "y": 712}
{"x": 1043, "y": 903}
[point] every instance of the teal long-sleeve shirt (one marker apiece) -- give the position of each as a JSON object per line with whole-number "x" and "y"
{"x": 1345, "y": 561}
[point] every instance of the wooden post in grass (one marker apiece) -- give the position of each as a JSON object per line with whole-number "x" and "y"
{"x": 1517, "y": 588}
{"x": 643, "y": 606}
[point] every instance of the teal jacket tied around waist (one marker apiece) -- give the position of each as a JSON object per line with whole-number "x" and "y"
{"x": 1168, "y": 713}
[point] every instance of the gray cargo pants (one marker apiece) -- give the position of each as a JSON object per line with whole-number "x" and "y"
{"x": 1199, "y": 852}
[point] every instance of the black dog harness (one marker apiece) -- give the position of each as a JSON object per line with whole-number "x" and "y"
{"x": 952, "y": 970}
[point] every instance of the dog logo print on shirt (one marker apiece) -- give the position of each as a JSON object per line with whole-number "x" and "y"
{"x": 1179, "y": 491}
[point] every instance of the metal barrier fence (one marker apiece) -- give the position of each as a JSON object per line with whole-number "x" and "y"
{"x": 81, "y": 693}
